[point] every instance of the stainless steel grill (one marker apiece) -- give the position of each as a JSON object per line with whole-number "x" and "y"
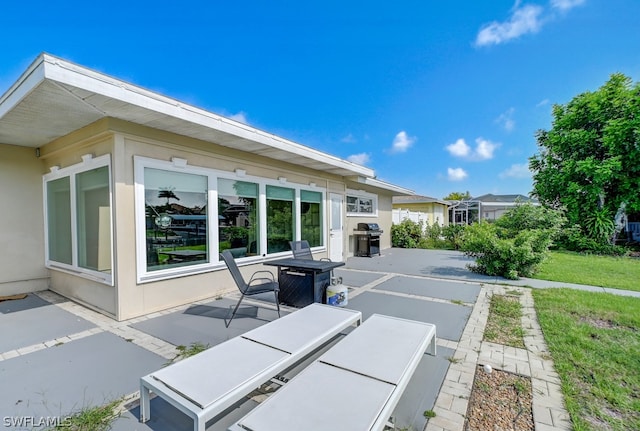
{"x": 367, "y": 237}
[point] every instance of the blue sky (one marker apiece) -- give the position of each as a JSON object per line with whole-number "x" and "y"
{"x": 435, "y": 96}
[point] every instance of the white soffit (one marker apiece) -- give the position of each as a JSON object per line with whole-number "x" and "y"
{"x": 54, "y": 97}
{"x": 373, "y": 182}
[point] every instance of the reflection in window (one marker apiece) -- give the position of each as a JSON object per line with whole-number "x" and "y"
{"x": 238, "y": 217}
{"x": 361, "y": 205}
{"x": 59, "y": 220}
{"x": 94, "y": 219}
{"x": 176, "y": 219}
{"x": 280, "y": 220}
{"x": 311, "y": 217}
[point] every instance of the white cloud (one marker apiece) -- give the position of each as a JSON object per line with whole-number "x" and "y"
{"x": 565, "y": 5}
{"x": 456, "y": 174}
{"x": 360, "y": 159}
{"x": 542, "y": 103}
{"x": 459, "y": 148}
{"x": 402, "y": 142}
{"x": 240, "y": 117}
{"x": 349, "y": 139}
{"x": 518, "y": 170}
{"x": 523, "y": 20}
{"x": 483, "y": 151}
{"x": 506, "y": 120}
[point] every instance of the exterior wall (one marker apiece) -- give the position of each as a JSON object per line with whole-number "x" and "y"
{"x": 493, "y": 212}
{"x": 21, "y": 240}
{"x": 136, "y": 299}
{"x": 383, "y": 218}
{"x": 96, "y": 140}
{"x": 124, "y": 141}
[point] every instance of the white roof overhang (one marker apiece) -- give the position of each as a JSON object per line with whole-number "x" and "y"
{"x": 373, "y": 182}
{"x": 54, "y": 97}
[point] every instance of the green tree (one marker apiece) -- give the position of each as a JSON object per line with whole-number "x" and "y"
{"x": 589, "y": 161}
{"x": 457, "y": 196}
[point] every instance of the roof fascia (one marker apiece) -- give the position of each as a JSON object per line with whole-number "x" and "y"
{"x": 65, "y": 72}
{"x": 373, "y": 182}
{"x": 24, "y": 85}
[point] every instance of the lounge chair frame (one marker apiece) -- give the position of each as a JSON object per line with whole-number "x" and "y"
{"x": 354, "y": 385}
{"x": 205, "y": 385}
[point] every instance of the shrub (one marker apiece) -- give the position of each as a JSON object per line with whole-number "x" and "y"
{"x": 407, "y": 234}
{"x": 433, "y": 237}
{"x": 497, "y": 254}
{"x": 572, "y": 238}
{"x": 528, "y": 216}
{"x": 453, "y": 235}
{"x": 515, "y": 244}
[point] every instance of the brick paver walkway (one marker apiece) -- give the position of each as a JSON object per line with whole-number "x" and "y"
{"x": 549, "y": 413}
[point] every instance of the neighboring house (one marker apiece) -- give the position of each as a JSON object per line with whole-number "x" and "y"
{"x": 485, "y": 207}
{"x": 429, "y": 209}
{"x": 121, "y": 198}
{"x": 492, "y": 207}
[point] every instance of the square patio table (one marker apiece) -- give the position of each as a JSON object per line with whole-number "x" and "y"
{"x": 303, "y": 281}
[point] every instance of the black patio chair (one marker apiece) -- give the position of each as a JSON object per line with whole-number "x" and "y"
{"x": 302, "y": 250}
{"x": 259, "y": 283}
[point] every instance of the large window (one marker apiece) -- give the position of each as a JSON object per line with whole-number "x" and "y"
{"x": 311, "y": 217}
{"x": 280, "y": 221}
{"x": 78, "y": 218}
{"x": 176, "y": 219}
{"x": 238, "y": 217}
{"x": 94, "y": 219}
{"x": 58, "y": 197}
{"x": 187, "y": 215}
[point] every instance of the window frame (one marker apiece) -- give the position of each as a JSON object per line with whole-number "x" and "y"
{"x": 88, "y": 163}
{"x": 214, "y": 263}
{"x": 360, "y": 194}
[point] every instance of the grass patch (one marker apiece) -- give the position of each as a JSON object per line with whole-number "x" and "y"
{"x": 98, "y": 418}
{"x": 605, "y": 271}
{"x": 594, "y": 339}
{"x": 504, "y": 324}
{"x": 185, "y": 352}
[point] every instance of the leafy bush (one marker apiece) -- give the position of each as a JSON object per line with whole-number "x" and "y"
{"x": 572, "y": 238}
{"x": 453, "y": 235}
{"x": 527, "y": 216}
{"x": 432, "y": 237}
{"x": 509, "y": 257}
{"x": 515, "y": 244}
{"x": 407, "y": 234}
{"x": 410, "y": 234}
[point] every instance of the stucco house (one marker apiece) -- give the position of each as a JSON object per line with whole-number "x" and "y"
{"x": 121, "y": 198}
{"x": 432, "y": 210}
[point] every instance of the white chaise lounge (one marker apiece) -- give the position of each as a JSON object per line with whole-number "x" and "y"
{"x": 208, "y": 383}
{"x": 354, "y": 386}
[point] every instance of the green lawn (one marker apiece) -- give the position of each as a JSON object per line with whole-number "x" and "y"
{"x": 594, "y": 340}
{"x": 605, "y": 271}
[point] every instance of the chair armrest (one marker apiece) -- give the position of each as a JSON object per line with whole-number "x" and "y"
{"x": 270, "y": 279}
{"x": 325, "y": 259}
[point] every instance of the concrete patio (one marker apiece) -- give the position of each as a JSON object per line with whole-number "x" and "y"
{"x": 57, "y": 357}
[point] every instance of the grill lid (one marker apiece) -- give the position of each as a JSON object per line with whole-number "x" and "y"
{"x": 368, "y": 226}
